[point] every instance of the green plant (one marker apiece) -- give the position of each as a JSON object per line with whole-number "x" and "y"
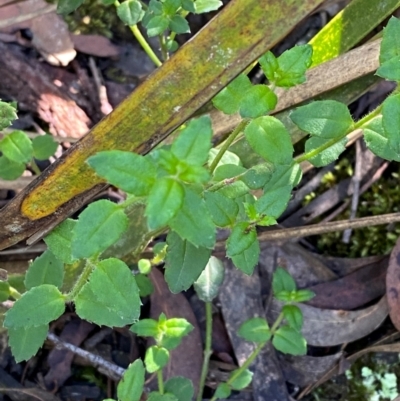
{"x": 18, "y": 149}
{"x": 188, "y": 190}
{"x": 162, "y": 18}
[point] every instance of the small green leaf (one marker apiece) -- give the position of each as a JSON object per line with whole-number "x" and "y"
{"x": 128, "y": 171}
{"x": 180, "y": 387}
{"x": 204, "y": 6}
{"x": 289, "y": 341}
{"x": 146, "y": 328}
{"x": 4, "y": 291}
{"x": 178, "y": 24}
{"x": 282, "y": 176}
{"x": 376, "y": 139}
{"x": 164, "y": 201}
{"x": 144, "y": 266}
{"x": 227, "y": 158}
{"x": 10, "y": 170}
{"x": 282, "y": 281}
{"x": 223, "y": 210}
{"x": 26, "y": 341}
{"x": 293, "y": 64}
{"x": 44, "y": 146}
{"x": 255, "y": 330}
{"x": 130, "y": 12}
{"x": 170, "y": 7}
{"x": 257, "y": 101}
{"x": 194, "y": 142}
{"x": 391, "y": 121}
{"x": 37, "y": 307}
{"x": 184, "y": 263}
{"x": 242, "y": 381}
{"x": 223, "y": 391}
{"x": 210, "y": 280}
{"x": 7, "y": 115}
{"x": 67, "y": 6}
{"x": 274, "y": 202}
{"x": 269, "y": 138}
{"x": 247, "y": 260}
{"x": 226, "y": 171}
{"x": 241, "y": 238}
{"x": 390, "y": 46}
{"x": 46, "y": 269}
{"x": 294, "y": 316}
{"x": 99, "y": 226}
{"x": 156, "y": 358}
{"x": 188, "y": 5}
{"x": 234, "y": 190}
{"x": 229, "y": 99}
{"x": 157, "y": 25}
{"x": 59, "y": 241}
{"x": 177, "y": 327}
{"x": 390, "y": 70}
{"x": 303, "y": 295}
{"x": 115, "y": 290}
{"x": 17, "y": 147}
{"x": 130, "y": 388}
{"x": 328, "y": 155}
{"x": 193, "y": 223}
{"x": 156, "y": 396}
{"x": 145, "y": 285}
{"x": 257, "y": 176}
{"x": 324, "y": 118}
{"x": 270, "y": 66}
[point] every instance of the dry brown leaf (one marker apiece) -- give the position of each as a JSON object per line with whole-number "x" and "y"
{"x": 325, "y": 327}
{"x": 240, "y": 298}
{"x": 185, "y": 360}
{"x": 354, "y": 290}
{"x": 393, "y": 285}
{"x": 94, "y": 45}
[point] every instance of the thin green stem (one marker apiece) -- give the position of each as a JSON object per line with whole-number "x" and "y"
{"x": 160, "y": 381}
{"x": 277, "y": 322}
{"x": 142, "y": 41}
{"x": 246, "y": 364}
{"x": 359, "y": 124}
{"x": 207, "y": 350}
{"x": 82, "y": 280}
{"x": 163, "y": 45}
{"x": 14, "y": 293}
{"x": 35, "y": 167}
{"x": 228, "y": 143}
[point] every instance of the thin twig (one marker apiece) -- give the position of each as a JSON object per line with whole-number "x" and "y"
{"x": 109, "y": 369}
{"x": 105, "y": 106}
{"x": 25, "y": 17}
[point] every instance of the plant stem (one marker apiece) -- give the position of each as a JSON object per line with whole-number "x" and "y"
{"x": 14, "y": 293}
{"x": 315, "y": 152}
{"x": 142, "y": 41}
{"x": 277, "y": 322}
{"x": 35, "y": 167}
{"x": 160, "y": 381}
{"x": 163, "y": 44}
{"x": 207, "y": 350}
{"x": 82, "y": 280}
{"x": 246, "y": 364}
{"x": 227, "y": 143}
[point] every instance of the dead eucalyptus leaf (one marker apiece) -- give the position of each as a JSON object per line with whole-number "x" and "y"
{"x": 354, "y": 290}
{"x": 304, "y": 370}
{"x": 325, "y": 327}
{"x": 393, "y": 285}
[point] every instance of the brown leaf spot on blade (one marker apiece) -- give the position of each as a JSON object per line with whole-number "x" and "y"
{"x": 393, "y": 285}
